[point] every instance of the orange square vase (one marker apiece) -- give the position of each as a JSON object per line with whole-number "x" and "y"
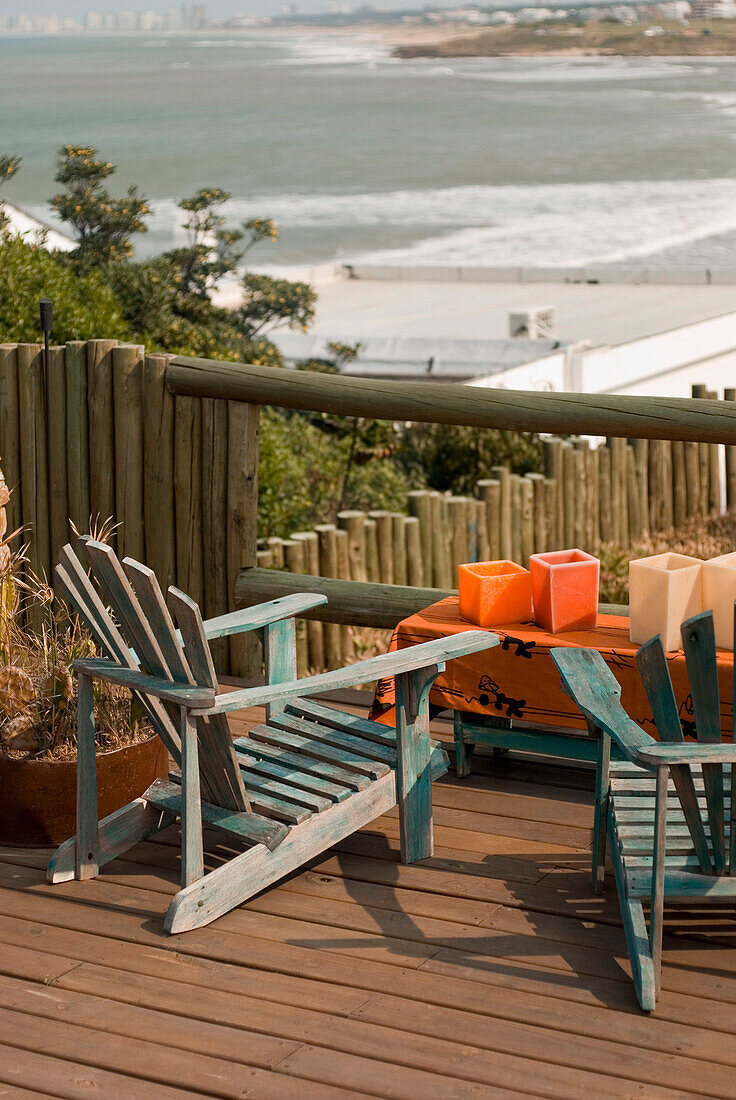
{"x": 495, "y": 592}
{"x": 565, "y": 588}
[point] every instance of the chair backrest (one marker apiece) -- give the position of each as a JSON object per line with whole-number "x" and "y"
{"x": 698, "y": 639}
{"x": 130, "y": 621}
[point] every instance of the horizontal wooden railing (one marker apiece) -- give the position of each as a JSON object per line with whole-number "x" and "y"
{"x": 702, "y": 420}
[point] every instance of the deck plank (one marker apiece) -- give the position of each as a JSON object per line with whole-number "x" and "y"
{"x": 487, "y": 971}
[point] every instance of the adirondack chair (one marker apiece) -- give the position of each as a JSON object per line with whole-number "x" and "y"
{"x": 666, "y": 807}
{"x": 297, "y": 784}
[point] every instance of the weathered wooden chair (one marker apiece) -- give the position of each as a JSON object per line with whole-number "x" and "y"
{"x": 666, "y": 807}
{"x": 298, "y": 783}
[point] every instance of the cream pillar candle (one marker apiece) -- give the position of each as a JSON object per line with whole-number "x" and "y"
{"x": 719, "y": 593}
{"x": 664, "y": 590}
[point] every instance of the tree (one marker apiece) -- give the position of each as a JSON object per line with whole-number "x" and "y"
{"x": 9, "y": 165}
{"x": 102, "y": 225}
{"x": 270, "y": 303}
{"x": 214, "y": 251}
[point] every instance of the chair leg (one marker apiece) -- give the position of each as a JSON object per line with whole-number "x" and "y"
{"x": 86, "y": 847}
{"x": 600, "y": 821}
{"x": 463, "y": 749}
{"x": 635, "y": 930}
{"x": 656, "y": 915}
{"x": 413, "y": 773}
{"x": 192, "y": 855}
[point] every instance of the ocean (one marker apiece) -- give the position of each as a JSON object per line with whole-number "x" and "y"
{"x": 360, "y": 156}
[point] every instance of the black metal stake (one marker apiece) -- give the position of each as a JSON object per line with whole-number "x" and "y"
{"x": 46, "y": 309}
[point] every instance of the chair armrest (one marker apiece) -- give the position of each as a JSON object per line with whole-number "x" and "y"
{"x": 667, "y": 753}
{"x": 588, "y": 680}
{"x": 260, "y": 615}
{"x": 182, "y": 695}
{"x": 424, "y": 655}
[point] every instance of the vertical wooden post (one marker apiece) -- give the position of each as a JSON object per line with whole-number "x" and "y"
{"x": 503, "y": 477}
{"x": 701, "y": 391}
{"x": 457, "y": 513}
{"x": 345, "y": 572}
{"x": 354, "y": 523}
{"x": 619, "y": 495}
{"x": 553, "y": 470}
{"x": 414, "y": 563}
{"x": 692, "y": 479}
{"x": 192, "y": 857}
{"x": 551, "y": 495}
{"x": 159, "y": 523}
{"x": 57, "y": 453}
{"x": 579, "y": 497}
{"x": 715, "y": 497}
{"x": 442, "y": 572}
{"x": 634, "y": 502}
{"x": 127, "y": 376}
{"x": 100, "y": 403}
{"x": 372, "y": 564}
{"x": 419, "y": 507}
{"x": 328, "y": 568}
{"x": 526, "y": 492}
{"x": 242, "y": 517}
{"x": 539, "y": 491}
{"x": 641, "y": 458}
{"x": 584, "y": 512}
{"x": 481, "y": 512}
{"x": 214, "y": 520}
{"x": 730, "y": 395}
{"x": 398, "y": 533}
{"x": 188, "y": 496}
{"x": 276, "y": 546}
{"x": 315, "y": 633}
{"x": 385, "y": 545}
{"x": 10, "y": 433}
{"x": 77, "y": 435}
{"x": 569, "y": 490}
{"x": 604, "y": 493}
{"x": 490, "y": 492}
{"x": 679, "y": 483}
{"x": 33, "y": 467}
{"x": 86, "y": 844}
{"x": 471, "y": 527}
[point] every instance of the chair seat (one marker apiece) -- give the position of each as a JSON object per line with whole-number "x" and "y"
{"x": 632, "y": 811}
{"x": 310, "y": 757}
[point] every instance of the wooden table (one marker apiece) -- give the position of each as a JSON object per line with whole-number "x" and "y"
{"x": 509, "y": 697}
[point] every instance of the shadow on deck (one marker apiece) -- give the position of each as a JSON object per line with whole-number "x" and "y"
{"x": 488, "y": 970}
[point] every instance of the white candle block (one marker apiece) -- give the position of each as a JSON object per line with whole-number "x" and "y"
{"x": 664, "y": 590}
{"x": 719, "y": 593}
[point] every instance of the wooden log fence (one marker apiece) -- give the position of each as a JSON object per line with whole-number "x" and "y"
{"x": 170, "y": 454}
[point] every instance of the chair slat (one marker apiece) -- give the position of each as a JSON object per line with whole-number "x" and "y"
{"x": 287, "y": 792}
{"x": 294, "y": 777}
{"x": 253, "y": 827}
{"x": 353, "y": 781}
{"x": 343, "y": 720}
{"x": 655, "y": 675}
{"x": 77, "y": 588}
{"x": 222, "y": 768}
{"x": 699, "y": 643}
{"x": 108, "y": 572}
{"x": 319, "y": 750}
{"x": 150, "y": 597}
{"x": 357, "y": 745}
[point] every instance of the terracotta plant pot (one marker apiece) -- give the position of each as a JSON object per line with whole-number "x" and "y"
{"x": 38, "y": 802}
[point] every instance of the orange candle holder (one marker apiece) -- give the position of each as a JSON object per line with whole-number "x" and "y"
{"x": 565, "y": 590}
{"x": 495, "y": 592}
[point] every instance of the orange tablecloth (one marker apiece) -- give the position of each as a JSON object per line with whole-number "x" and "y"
{"x": 519, "y": 680}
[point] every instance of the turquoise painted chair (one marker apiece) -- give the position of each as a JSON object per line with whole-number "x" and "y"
{"x": 665, "y": 809}
{"x": 298, "y": 783}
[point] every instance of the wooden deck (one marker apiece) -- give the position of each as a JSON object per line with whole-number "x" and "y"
{"x": 489, "y": 970}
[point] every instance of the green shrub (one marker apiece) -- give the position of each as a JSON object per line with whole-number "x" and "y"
{"x": 85, "y": 307}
